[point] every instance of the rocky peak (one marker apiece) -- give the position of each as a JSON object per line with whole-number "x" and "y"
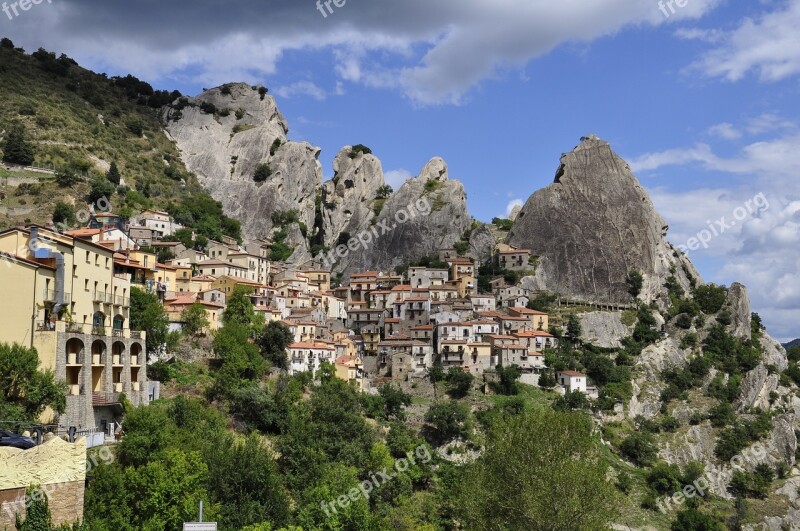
{"x": 349, "y": 199}
{"x": 225, "y": 134}
{"x": 594, "y": 225}
{"x": 426, "y": 214}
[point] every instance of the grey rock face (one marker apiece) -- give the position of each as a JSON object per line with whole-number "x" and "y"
{"x": 426, "y": 214}
{"x": 756, "y": 387}
{"x": 481, "y": 244}
{"x": 593, "y": 225}
{"x": 740, "y": 311}
{"x": 349, "y": 198}
{"x": 224, "y": 152}
{"x": 603, "y": 329}
{"x": 774, "y": 353}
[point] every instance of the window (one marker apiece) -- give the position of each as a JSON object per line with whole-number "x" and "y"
{"x": 87, "y": 257}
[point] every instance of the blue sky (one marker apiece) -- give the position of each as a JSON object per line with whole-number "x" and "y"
{"x": 703, "y": 103}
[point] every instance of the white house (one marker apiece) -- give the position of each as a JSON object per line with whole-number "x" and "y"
{"x": 307, "y": 357}
{"x": 572, "y": 381}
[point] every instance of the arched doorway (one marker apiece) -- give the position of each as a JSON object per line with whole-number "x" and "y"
{"x": 74, "y": 365}
{"x": 98, "y": 365}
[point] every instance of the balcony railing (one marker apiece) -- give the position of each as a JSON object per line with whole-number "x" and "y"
{"x": 45, "y": 326}
{"x": 122, "y": 301}
{"x": 75, "y": 328}
{"x": 136, "y": 334}
{"x": 117, "y": 333}
{"x": 98, "y": 331}
{"x": 99, "y": 296}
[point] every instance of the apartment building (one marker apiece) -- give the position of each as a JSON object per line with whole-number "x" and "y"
{"x": 70, "y": 299}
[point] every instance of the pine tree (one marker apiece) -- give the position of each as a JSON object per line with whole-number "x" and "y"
{"x": 17, "y": 150}
{"x": 113, "y": 174}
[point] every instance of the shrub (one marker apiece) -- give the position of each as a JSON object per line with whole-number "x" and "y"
{"x": 263, "y": 92}
{"x": 639, "y": 448}
{"x": 276, "y": 144}
{"x": 262, "y": 173}
{"x": 359, "y": 149}
{"x": 208, "y": 107}
{"x": 502, "y": 224}
{"x": 710, "y": 297}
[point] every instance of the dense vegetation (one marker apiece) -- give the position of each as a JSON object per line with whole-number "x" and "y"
{"x": 97, "y": 133}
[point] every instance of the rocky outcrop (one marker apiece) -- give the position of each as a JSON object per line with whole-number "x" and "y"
{"x": 481, "y": 244}
{"x": 349, "y": 200}
{"x": 739, "y": 304}
{"x": 594, "y": 225}
{"x": 603, "y": 329}
{"x": 226, "y": 143}
{"x": 774, "y": 353}
{"x": 426, "y": 214}
{"x": 756, "y": 388}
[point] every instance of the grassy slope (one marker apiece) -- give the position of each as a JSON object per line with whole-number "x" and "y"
{"x": 69, "y": 131}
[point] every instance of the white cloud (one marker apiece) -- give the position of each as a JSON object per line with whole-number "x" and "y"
{"x": 433, "y": 52}
{"x": 301, "y": 88}
{"x": 767, "y": 46}
{"x": 511, "y": 205}
{"x": 725, "y": 130}
{"x": 396, "y": 178}
{"x": 762, "y": 250}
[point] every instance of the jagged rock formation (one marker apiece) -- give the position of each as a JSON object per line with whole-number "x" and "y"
{"x": 225, "y": 147}
{"x": 348, "y": 200}
{"x": 435, "y": 212}
{"x": 481, "y": 244}
{"x": 739, "y": 304}
{"x": 595, "y": 224}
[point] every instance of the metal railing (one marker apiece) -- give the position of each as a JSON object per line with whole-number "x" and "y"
{"x": 50, "y": 295}
{"x": 45, "y": 326}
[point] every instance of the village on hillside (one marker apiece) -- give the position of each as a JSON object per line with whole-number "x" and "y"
{"x": 377, "y": 327}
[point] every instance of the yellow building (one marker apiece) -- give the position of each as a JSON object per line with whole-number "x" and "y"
{"x": 66, "y": 298}
{"x": 175, "y": 307}
{"x": 228, "y": 284}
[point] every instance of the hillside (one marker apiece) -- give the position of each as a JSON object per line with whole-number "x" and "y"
{"x": 80, "y": 122}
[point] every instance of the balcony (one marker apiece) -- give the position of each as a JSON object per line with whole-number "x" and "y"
{"x": 45, "y": 326}
{"x": 99, "y": 296}
{"x": 98, "y": 331}
{"x": 122, "y": 301}
{"x": 136, "y": 334}
{"x": 117, "y": 333}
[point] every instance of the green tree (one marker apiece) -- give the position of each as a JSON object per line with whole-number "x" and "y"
{"x": 640, "y": 448}
{"x": 710, "y": 297}
{"x": 98, "y": 189}
{"x": 459, "y": 382}
{"x": 446, "y": 421}
{"x": 25, "y": 391}
{"x": 384, "y": 192}
{"x": 274, "y": 341}
{"x": 64, "y": 213}
{"x": 240, "y": 357}
{"x": 17, "y": 149}
{"x": 574, "y": 329}
{"x": 635, "y": 282}
{"x": 113, "y": 174}
{"x": 435, "y": 375}
{"x": 148, "y": 314}
{"x": 194, "y": 319}
{"x": 508, "y": 378}
{"x": 568, "y": 490}
{"x": 240, "y": 308}
{"x": 394, "y": 401}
